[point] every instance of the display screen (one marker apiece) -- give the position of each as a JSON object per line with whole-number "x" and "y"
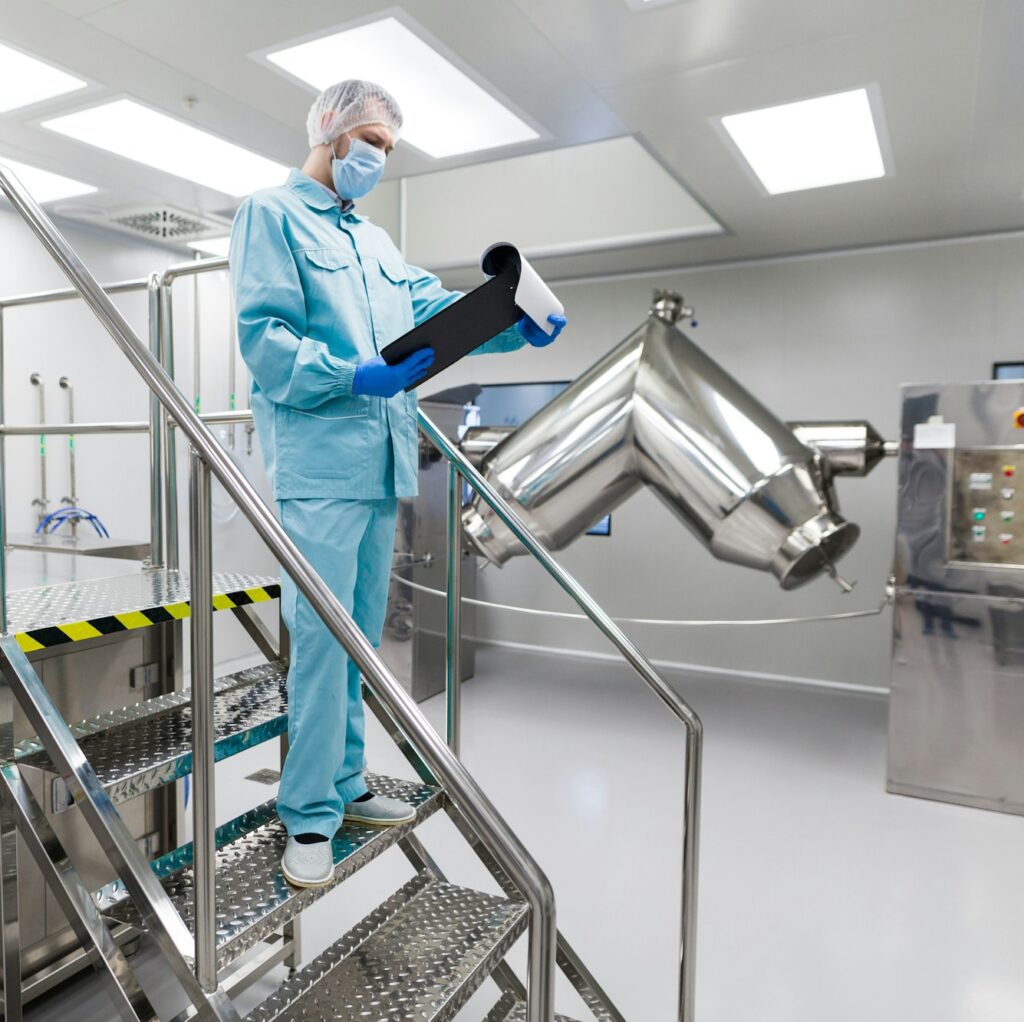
{"x": 511, "y": 404}
{"x": 1008, "y": 371}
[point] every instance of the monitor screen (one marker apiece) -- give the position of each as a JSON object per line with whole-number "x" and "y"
{"x": 1008, "y": 371}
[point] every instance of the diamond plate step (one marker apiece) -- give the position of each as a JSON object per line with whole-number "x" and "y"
{"x": 74, "y": 611}
{"x": 253, "y": 898}
{"x": 420, "y": 956}
{"x": 510, "y": 1009}
{"x": 142, "y": 747}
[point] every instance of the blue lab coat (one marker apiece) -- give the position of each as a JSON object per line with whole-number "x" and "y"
{"x": 319, "y": 289}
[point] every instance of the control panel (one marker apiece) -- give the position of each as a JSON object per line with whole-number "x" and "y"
{"x": 987, "y": 519}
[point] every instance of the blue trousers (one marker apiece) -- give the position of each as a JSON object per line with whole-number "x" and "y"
{"x": 350, "y": 543}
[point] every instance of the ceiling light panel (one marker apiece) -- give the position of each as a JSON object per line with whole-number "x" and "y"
{"x": 813, "y": 143}
{"x": 147, "y": 136}
{"x": 630, "y": 200}
{"x": 445, "y": 112}
{"x": 43, "y": 185}
{"x": 25, "y": 80}
{"x": 646, "y": 5}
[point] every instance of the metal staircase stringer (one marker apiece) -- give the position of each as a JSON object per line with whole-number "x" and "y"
{"x": 162, "y": 919}
{"x": 74, "y": 898}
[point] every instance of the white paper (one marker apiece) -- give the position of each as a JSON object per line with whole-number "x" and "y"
{"x": 934, "y": 436}
{"x": 535, "y": 298}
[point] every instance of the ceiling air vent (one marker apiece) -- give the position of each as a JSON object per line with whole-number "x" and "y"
{"x": 166, "y": 223}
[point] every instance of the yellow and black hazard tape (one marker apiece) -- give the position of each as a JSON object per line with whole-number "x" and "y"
{"x": 76, "y": 631}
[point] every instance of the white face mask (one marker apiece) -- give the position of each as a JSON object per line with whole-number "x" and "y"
{"x": 358, "y": 171}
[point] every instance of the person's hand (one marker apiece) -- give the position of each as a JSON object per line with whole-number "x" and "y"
{"x": 377, "y": 379}
{"x": 534, "y": 335}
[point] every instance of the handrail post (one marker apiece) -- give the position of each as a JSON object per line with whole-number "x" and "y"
{"x": 203, "y": 794}
{"x": 691, "y": 851}
{"x": 453, "y": 651}
{"x": 156, "y": 437}
{"x": 166, "y": 329}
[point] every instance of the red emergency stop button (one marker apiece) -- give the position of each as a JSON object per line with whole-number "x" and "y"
{"x": 1018, "y": 419}
{"x": 1009, "y": 471}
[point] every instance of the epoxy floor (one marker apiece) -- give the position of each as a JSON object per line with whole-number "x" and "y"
{"x": 821, "y": 897}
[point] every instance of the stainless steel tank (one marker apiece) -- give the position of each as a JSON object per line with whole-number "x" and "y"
{"x": 657, "y": 411}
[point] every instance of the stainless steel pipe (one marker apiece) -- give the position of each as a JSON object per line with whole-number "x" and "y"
{"x": 42, "y": 500}
{"x": 462, "y": 789}
{"x": 453, "y": 632}
{"x": 156, "y": 437}
{"x": 72, "y": 498}
{"x": 204, "y": 814}
{"x": 69, "y": 428}
{"x": 65, "y": 293}
{"x": 172, "y": 549}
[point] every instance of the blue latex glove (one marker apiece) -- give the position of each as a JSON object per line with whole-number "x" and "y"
{"x": 377, "y": 379}
{"x": 535, "y": 335}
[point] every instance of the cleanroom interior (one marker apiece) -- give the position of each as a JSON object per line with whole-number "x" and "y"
{"x": 852, "y": 862}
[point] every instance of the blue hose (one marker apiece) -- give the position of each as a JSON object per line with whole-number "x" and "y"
{"x": 53, "y": 521}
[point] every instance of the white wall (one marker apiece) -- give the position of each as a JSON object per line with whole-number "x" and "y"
{"x": 823, "y": 337}
{"x": 813, "y": 338}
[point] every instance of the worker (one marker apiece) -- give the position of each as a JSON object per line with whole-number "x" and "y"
{"x": 319, "y": 292}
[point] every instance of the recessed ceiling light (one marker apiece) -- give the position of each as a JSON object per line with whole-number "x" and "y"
{"x": 25, "y": 80}
{"x": 212, "y": 246}
{"x": 445, "y": 112}
{"x": 829, "y": 140}
{"x": 135, "y": 131}
{"x": 43, "y": 185}
{"x": 646, "y": 5}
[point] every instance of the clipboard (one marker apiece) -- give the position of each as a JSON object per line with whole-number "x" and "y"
{"x": 514, "y": 289}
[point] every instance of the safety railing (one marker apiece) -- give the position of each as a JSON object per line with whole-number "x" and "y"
{"x": 44, "y": 298}
{"x": 208, "y": 456}
{"x": 459, "y": 468}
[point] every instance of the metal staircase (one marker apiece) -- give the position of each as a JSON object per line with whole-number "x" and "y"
{"x": 209, "y": 904}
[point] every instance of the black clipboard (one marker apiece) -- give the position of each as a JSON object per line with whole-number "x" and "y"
{"x": 471, "y": 321}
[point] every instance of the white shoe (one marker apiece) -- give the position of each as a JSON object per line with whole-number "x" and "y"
{"x": 308, "y": 865}
{"x": 380, "y": 811}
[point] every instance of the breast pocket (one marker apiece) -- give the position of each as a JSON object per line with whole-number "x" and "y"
{"x": 329, "y": 285}
{"x": 395, "y": 302}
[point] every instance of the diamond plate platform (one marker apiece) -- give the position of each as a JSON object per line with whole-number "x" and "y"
{"x": 253, "y": 897}
{"x": 510, "y": 1009}
{"x": 420, "y": 956}
{"x": 72, "y": 611}
{"x": 139, "y": 748}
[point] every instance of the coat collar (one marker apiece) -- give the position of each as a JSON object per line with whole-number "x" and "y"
{"x": 314, "y": 194}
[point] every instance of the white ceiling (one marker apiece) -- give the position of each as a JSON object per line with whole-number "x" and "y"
{"x": 950, "y": 73}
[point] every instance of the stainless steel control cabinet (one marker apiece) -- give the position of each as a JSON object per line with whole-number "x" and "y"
{"x": 956, "y": 718}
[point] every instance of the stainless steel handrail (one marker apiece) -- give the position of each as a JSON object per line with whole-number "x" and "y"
{"x": 460, "y": 786}
{"x": 126, "y": 426}
{"x": 460, "y": 464}
{"x": 65, "y": 293}
{"x": 67, "y": 428}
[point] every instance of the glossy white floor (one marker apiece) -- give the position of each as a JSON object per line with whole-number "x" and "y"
{"x": 822, "y": 897}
